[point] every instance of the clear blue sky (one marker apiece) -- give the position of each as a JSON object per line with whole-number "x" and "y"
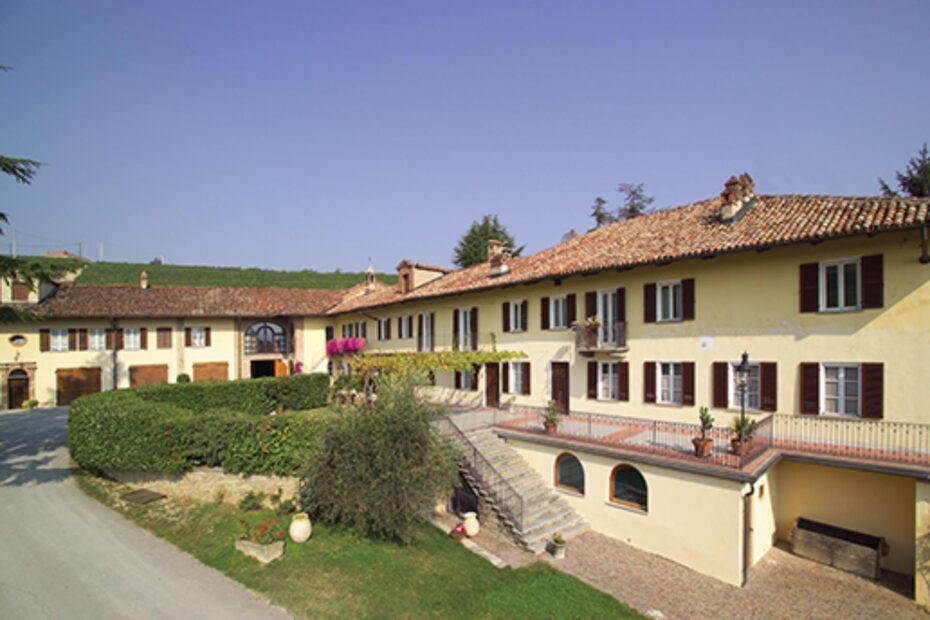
{"x": 314, "y": 135}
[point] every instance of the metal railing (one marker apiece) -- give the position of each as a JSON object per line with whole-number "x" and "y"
{"x": 607, "y": 337}
{"x": 508, "y": 500}
{"x": 254, "y": 345}
{"x": 879, "y": 440}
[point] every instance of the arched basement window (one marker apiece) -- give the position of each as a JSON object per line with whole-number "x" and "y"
{"x": 628, "y": 487}
{"x": 569, "y": 474}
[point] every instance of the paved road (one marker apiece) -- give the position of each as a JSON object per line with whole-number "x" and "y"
{"x": 63, "y": 555}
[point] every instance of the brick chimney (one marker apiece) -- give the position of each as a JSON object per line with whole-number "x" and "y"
{"x": 737, "y": 193}
{"x": 498, "y": 257}
{"x": 144, "y": 279}
{"x": 370, "y": 278}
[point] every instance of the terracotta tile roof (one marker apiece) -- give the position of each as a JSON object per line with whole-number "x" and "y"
{"x": 101, "y": 300}
{"x": 690, "y": 231}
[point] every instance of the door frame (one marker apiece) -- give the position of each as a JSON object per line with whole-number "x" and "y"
{"x": 10, "y": 379}
{"x": 568, "y": 383}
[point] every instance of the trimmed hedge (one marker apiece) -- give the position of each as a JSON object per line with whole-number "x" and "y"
{"x": 174, "y": 428}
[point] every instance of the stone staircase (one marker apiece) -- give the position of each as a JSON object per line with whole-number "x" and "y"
{"x": 544, "y": 512}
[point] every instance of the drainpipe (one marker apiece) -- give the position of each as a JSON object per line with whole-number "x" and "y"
{"x": 924, "y": 252}
{"x": 747, "y": 531}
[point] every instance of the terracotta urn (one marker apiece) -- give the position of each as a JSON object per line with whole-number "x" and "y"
{"x": 300, "y": 528}
{"x": 703, "y": 447}
{"x": 470, "y": 522}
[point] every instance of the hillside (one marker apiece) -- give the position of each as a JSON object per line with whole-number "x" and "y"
{"x": 197, "y": 275}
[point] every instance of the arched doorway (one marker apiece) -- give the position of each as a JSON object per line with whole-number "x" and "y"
{"x": 17, "y": 388}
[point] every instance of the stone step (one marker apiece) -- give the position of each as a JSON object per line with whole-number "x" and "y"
{"x": 539, "y": 544}
{"x": 536, "y": 511}
{"x": 542, "y": 521}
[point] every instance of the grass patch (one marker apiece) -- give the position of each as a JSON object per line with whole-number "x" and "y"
{"x": 339, "y": 574}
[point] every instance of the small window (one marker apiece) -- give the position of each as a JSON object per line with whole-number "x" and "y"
{"x": 199, "y": 337}
{"x": 465, "y": 340}
{"x": 569, "y": 474}
{"x": 628, "y": 487}
{"x": 59, "y": 339}
{"x": 517, "y": 377}
{"x": 18, "y": 340}
{"x": 517, "y": 324}
{"x": 669, "y": 378}
{"x": 607, "y": 381}
{"x": 132, "y": 339}
{"x": 164, "y": 337}
{"x": 384, "y": 329}
{"x": 20, "y": 291}
{"x": 839, "y": 283}
{"x": 97, "y": 339}
{"x": 406, "y": 327}
{"x": 427, "y": 343}
{"x": 752, "y": 387}
{"x": 841, "y": 389}
{"x": 558, "y": 312}
{"x": 668, "y": 301}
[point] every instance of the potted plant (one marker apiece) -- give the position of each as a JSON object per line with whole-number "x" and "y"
{"x": 558, "y": 546}
{"x": 263, "y": 542}
{"x": 551, "y": 420}
{"x": 743, "y": 429}
{"x": 704, "y": 445}
{"x": 589, "y": 330}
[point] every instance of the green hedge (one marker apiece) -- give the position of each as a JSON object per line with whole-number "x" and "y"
{"x": 174, "y": 428}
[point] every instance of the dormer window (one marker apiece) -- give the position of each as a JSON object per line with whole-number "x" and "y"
{"x": 406, "y": 283}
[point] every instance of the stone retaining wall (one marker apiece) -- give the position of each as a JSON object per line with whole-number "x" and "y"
{"x": 208, "y": 483}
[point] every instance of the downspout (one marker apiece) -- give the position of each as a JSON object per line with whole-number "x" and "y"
{"x": 924, "y": 251}
{"x": 747, "y": 531}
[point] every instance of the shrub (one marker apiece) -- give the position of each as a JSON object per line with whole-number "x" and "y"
{"x": 381, "y": 467}
{"x": 184, "y": 378}
{"x": 251, "y": 501}
{"x": 31, "y": 403}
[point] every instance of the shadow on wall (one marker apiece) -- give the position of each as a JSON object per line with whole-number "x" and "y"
{"x": 33, "y": 447}
{"x": 922, "y": 564}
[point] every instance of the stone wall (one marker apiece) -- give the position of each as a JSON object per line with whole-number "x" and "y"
{"x": 208, "y": 483}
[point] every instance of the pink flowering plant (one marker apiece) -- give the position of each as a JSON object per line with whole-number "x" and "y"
{"x": 341, "y": 346}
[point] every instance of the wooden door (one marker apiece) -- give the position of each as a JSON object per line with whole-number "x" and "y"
{"x": 17, "y": 390}
{"x": 211, "y": 371}
{"x": 151, "y": 374}
{"x": 71, "y": 383}
{"x": 280, "y": 368}
{"x": 560, "y": 385}
{"x": 492, "y": 388}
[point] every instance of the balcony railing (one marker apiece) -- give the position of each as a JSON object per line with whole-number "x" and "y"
{"x": 255, "y": 345}
{"x": 605, "y": 337}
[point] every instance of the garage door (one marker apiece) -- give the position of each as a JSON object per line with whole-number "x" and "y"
{"x": 151, "y": 374}
{"x": 73, "y": 382}
{"x": 211, "y": 371}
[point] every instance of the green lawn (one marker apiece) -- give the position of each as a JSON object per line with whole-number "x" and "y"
{"x": 339, "y": 574}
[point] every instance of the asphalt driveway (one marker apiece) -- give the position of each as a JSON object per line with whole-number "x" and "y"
{"x": 63, "y": 554}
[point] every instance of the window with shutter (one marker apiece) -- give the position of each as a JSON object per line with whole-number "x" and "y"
{"x": 768, "y": 386}
{"x": 44, "y": 340}
{"x": 649, "y": 303}
{"x": 873, "y": 283}
{"x": 164, "y": 338}
{"x": 474, "y": 331}
{"x": 687, "y": 383}
{"x": 592, "y": 380}
{"x": 809, "y": 294}
{"x": 649, "y": 382}
{"x": 544, "y": 313}
{"x": 873, "y": 390}
{"x": 623, "y": 381}
{"x": 505, "y": 317}
{"x": 810, "y": 388}
{"x": 526, "y": 378}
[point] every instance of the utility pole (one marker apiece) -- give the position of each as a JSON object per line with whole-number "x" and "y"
{"x": 101, "y": 251}
{"x": 13, "y": 242}
{"x": 80, "y": 248}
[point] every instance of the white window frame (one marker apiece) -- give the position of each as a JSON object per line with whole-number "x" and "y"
{"x": 198, "y": 337}
{"x": 427, "y": 343}
{"x": 132, "y": 339}
{"x": 843, "y": 367}
{"x": 732, "y": 400}
{"x": 516, "y": 317}
{"x": 608, "y": 388}
{"x": 406, "y": 327}
{"x": 670, "y": 285}
{"x": 840, "y": 264}
{"x": 464, "y": 343}
{"x": 97, "y": 339}
{"x": 58, "y": 340}
{"x": 671, "y": 400}
{"x": 516, "y": 378}
{"x": 383, "y": 328}
{"x": 608, "y": 319}
{"x": 555, "y": 302}
{"x": 465, "y": 380}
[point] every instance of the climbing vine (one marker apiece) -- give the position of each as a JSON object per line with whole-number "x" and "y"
{"x": 426, "y": 362}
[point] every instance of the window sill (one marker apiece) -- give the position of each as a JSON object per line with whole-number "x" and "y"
{"x": 569, "y": 492}
{"x": 627, "y": 507}
{"x": 838, "y": 310}
{"x": 670, "y": 320}
{"x": 669, "y": 405}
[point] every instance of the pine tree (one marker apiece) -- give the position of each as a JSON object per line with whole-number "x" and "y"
{"x": 472, "y": 248}
{"x": 915, "y": 180}
{"x": 635, "y": 200}
{"x": 601, "y": 214}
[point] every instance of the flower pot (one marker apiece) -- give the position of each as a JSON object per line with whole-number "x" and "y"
{"x": 741, "y": 448}
{"x": 551, "y": 427}
{"x": 703, "y": 448}
{"x": 470, "y": 522}
{"x": 558, "y": 549}
{"x": 260, "y": 552}
{"x": 300, "y": 528}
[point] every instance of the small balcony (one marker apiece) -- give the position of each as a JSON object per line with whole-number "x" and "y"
{"x": 592, "y": 337}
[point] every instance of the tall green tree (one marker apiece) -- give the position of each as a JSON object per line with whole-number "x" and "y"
{"x": 601, "y": 214}
{"x": 635, "y": 202}
{"x": 915, "y": 180}
{"x": 472, "y": 248}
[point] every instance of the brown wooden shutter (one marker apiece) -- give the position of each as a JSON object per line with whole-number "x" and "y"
{"x": 21, "y": 291}
{"x": 455, "y": 330}
{"x": 810, "y": 388}
{"x": 810, "y": 287}
{"x": 544, "y": 313}
{"x": 45, "y": 340}
{"x": 505, "y": 316}
{"x": 387, "y": 329}
{"x": 119, "y": 339}
{"x": 649, "y": 382}
{"x": 524, "y": 315}
{"x": 458, "y": 380}
{"x": 873, "y": 283}
{"x": 687, "y": 299}
{"x": 111, "y": 338}
{"x": 419, "y": 332}
{"x": 432, "y": 331}
{"x": 873, "y": 391}
{"x": 206, "y": 336}
{"x": 474, "y": 329}
{"x": 649, "y": 303}
{"x": 163, "y": 337}
{"x": 768, "y": 386}
{"x": 400, "y": 327}
{"x": 72, "y": 340}
{"x": 526, "y": 377}
{"x": 687, "y": 383}
{"x": 623, "y": 381}
{"x": 592, "y": 380}
{"x": 621, "y": 305}
{"x": 82, "y": 339}
{"x": 505, "y": 377}
{"x": 571, "y": 314}
{"x": 364, "y": 330}
{"x": 474, "y": 377}
{"x": 188, "y": 338}
{"x": 720, "y": 398}
{"x": 143, "y": 338}
{"x": 590, "y": 304}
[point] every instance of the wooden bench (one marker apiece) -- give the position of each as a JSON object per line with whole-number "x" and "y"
{"x": 847, "y": 550}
